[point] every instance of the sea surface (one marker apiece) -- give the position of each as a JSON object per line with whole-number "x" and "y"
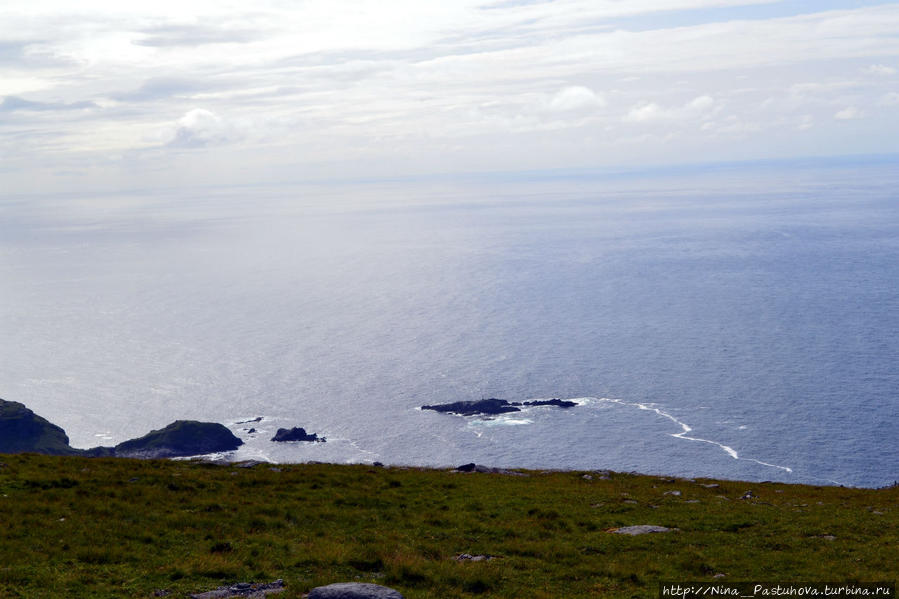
{"x": 739, "y": 322}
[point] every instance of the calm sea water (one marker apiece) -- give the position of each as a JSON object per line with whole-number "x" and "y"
{"x": 741, "y": 323}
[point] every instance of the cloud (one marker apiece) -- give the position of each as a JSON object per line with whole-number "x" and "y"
{"x": 575, "y": 97}
{"x": 195, "y": 35}
{"x": 805, "y": 122}
{"x": 161, "y": 87}
{"x": 849, "y": 113}
{"x": 375, "y": 79}
{"x": 731, "y": 126}
{"x": 646, "y": 112}
{"x": 701, "y": 104}
{"x": 880, "y": 69}
{"x": 200, "y": 128}
{"x": 15, "y": 103}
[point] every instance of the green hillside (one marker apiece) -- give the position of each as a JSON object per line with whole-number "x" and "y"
{"x": 113, "y": 527}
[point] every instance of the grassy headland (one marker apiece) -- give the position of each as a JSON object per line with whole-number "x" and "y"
{"x": 112, "y": 527}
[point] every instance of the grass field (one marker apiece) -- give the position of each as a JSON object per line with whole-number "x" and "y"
{"x": 80, "y": 527}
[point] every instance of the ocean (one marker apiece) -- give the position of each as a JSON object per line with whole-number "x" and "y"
{"x": 738, "y": 321}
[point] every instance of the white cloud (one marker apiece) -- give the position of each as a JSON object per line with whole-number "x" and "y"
{"x": 848, "y": 114}
{"x": 575, "y": 97}
{"x": 646, "y": 112}
{"x": 364, "y": 75}
{"x": 696, "y": 108}
{"x": 730, "y": 127}
{"x": 701, "y": 104}
{"x": 880, "y": 69}
{"x": 199, "y": 128}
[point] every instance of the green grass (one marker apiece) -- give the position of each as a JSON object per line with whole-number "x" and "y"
{"x": 79, "y": 527}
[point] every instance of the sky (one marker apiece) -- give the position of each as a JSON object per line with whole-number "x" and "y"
{"x": 104, "y": 95}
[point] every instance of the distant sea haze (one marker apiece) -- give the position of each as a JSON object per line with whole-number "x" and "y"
{"x": 740, "y": 323}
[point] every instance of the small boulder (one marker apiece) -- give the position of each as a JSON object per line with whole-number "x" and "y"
{"x": 354, "y": 590}
{"x": 471, "y": 467}
{"x": 243, "y": 589}
{"x": 640, "y": 529}
{"x": 467, "y": 557}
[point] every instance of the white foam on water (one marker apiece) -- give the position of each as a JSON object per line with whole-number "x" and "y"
{"x": 685, "y": 430}
{"x": 500, "y": 421}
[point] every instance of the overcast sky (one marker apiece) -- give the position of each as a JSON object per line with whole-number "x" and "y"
{"x": 105, "y": 94}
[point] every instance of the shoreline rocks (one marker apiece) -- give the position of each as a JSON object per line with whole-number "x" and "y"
{"x": 23, "y": 431}
{"x": 182, "y": 438}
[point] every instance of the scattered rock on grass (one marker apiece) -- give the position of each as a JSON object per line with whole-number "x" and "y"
{"x": 354, "y": 590}
{"x": 243, "y": 589}
{"x": 640, "y": 529}
{"x": 467, "y": 557}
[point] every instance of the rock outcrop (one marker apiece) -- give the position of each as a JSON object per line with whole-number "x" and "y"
{"x": 494, "y": 407}
{"x": 21, "y": 430}
{"x": 559, "y": 403}
{"x": 180, "y": 439}
{"x": 296, "y": 433}
{"x": 489, "y": 407}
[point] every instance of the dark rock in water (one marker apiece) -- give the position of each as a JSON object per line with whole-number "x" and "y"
{"x": 21, "y": 430}
{"x": 256, "y": 419}
{"x": 493, "y": 406}
{"x": 354, "y": 590}
{"x": 559, "y": 403}
{"x": 179, "y": 439}
{"x": 488, "y": 407}
{"x": 296, "y": 434}
{"x": 243, "y": 589}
